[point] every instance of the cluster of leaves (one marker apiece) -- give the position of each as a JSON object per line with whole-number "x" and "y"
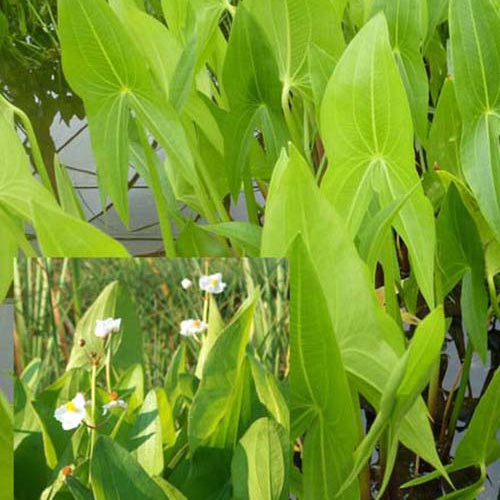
{"x": 369, "y": 128}
{"x": 52, "y": 294}
{"x": 214, "y": 429}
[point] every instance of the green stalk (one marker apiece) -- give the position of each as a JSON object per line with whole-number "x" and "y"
{"x": 231, "y": 9}
{"x": 493, "y": 295}
{"x": 289, "y": 118}
{"x": 19, "y": 315}
{"x": 364, "y": 476}
{"x": 252, "y": 209}
{"x": 460, "y": 395}
{"x": 205, "y": 298}
{"x": 52, "y": 305}
{"x": 212, "y": 198}
{"x": 161, "y": 204}
{"x": 93, "y": 408}
{"x": 75, "y": 277}
{"x": 433, "y": 391}
{"x": 108, "y": 366}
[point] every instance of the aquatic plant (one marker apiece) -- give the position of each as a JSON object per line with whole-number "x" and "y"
{"x": 362, "y": 137}
{"x": 99, "y": 429}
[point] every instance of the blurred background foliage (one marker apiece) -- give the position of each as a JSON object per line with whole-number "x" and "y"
{"x": 51, "y": 295}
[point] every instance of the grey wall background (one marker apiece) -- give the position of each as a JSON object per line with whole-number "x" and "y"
{"x": 6, "y": 348}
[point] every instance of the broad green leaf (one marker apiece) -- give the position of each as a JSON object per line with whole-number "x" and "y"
{"x": 22, "y": 196}
{"x": 259, "y": 463}
{"x": 197, "y": 17}
{"x": 73, "y": 236}
{"x": 405, "y": 19}
{"x": 106, "y": 68}
{"x": 444, "y": 138}
{"x": 269, "y": 393}
{"x": 29, "y": 462}
{"x": 243, "y": 234}
{"x": 475, "y": 50}
{"x": 424, "y": 351}
{"x": 117, "y": 476}
{"x": 254, "y": 93}
{"x": 215, "y": 327}
{"x": 460, "y": 256}
{"x": 209, "y": 475}
{"x": 367, "y": 131}
{"x": 437, "y": 11}
{"x": 291, "y": 26}
{"x": 194, "y": 242}
{"x": 112, "y": 302}
{"x": 14, "y": 238}
{"x": 67, "y": 194}
{"x": 168, "y": 434}
{"x": 28, "y": 419}
{"x": 371, "y": 348}
{"x": 31, "y": 374}
{"x": 321, "y": 66}
{"x": 146, "y": 436}
{"x": 133, "y": 380}
{"x": 6, "y": 448}
{"x": 215, "y": 412}
{"x": 373, "y": 236}
{"x": 437, "y": 64}
{"x": 321, "y": 402}
{"x": 480, "y": 444}
{"x": 407, "y": 380}
{"x": 155, "y": 41}
{"x": 176, "y": 368}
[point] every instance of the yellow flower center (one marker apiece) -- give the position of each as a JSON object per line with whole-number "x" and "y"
{"x": 214, "y": 282}
{"x": 70, "y": 406}
{"x": 196, "y": 323}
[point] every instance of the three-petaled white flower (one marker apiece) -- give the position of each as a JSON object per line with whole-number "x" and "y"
{"x": 186, "y": 283}
{"x": 72, "y": 413}
{"x": 114, "y": 403}
{"x": 103, "y": 327}
{"x": 192, "y": 327}
{"x": 212, "y": 283}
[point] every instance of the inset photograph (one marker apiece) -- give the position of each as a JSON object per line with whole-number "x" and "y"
{"x": 151, "y": 379}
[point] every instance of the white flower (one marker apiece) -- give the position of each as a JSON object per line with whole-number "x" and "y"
{"x": 212, "y": 283}
{"x": 71, "y": 414}
{"x": 186, "y": 283}
{"x": 114, "y": 403}
{"x": 106, "y": 326}
{"x": 192, "y": 327}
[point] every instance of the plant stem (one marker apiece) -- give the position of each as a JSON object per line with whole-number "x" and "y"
{"x": 205, "y": 298}
{"x": 460, "y": 395}
{"x": 108, "y": 367}
{"x": 93, "y": 408}
{"x": 231, "y": 9}
{"x": 252, "y": 209}
{"x": 162, "y": 209}
{"x": 433, "y": 390}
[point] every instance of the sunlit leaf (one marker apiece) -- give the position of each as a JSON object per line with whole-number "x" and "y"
{"x": 367, "y": 131}
{"x": 117, "y": 476}
{"x": 215, "y": 412}
{"x": 260, "y": 463}
{"x": 370, "y": 348}
{"x": 475, "y": 50}
{"x": 321, "y": 401}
